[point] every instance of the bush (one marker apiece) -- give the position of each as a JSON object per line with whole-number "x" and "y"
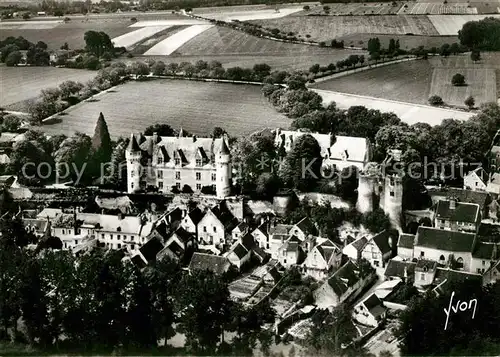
{"x": 174, "y": 189}
{"x": 470, "y": 102}
{"x": 208, "y": 190}
{"x": 436, "y": 100}
{"x": 187, "y": 189}
{"x": 458, "y": 80}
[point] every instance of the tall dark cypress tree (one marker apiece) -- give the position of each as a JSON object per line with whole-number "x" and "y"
{"x": 101, "y": 145}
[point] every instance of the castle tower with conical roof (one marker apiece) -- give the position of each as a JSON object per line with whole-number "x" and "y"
{"x": 223, "y": 170}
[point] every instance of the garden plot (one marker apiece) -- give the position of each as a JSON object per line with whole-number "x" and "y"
{"x": 422, "y": 8}
{"x": 172, "y": 43}
{"x": 451, "y": 24}
{"x": 129, "y": 39}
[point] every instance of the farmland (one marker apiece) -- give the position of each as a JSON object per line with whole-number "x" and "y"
{"x": 421, "y": 8}
{"x": 370, "y": 8}
{"x": 407, "y": 82}
{"x": 196, "y": 106}
{"x": 416, "y": 81}
{"x": 406, "y": 42}
{"x": 226, "y": 41}
{"x": 18, "y": 84}
{"x": 173, "y": 42}
{"x": 451, "y": 24}
{"x": 325, "y": 28}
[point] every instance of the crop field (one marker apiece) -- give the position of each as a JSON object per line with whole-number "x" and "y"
{"x": 405, "y": 42}
{"x": 408, "y": 113}
{"x": 196, "y": 106}
{"x": 481, "y": 84}
{"x": 451, "y": 24}
{"x": 18, "y": 84}
{"x": 245, "y": 15}
{"x": 433, "y": 8}
{"x": 326, "y": 28}
{"x": 129, "y": 39}
{"x": 140, "y": 47}
{"x": 406, "y": 82}
{"x": 173, "y": 42}
{"x": 359, "y": 8}
{"x": 483, "y": 7}
{"x": 488, "y": 60}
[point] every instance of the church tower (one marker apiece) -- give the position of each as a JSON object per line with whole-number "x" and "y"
{"x": 223, "y": 170}
{"x": 133, "y": 157}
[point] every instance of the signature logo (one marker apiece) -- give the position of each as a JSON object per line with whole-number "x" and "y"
{"x": 461, "y": 305}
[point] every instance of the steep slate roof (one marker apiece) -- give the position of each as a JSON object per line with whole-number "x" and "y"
{"x": 239, "y": 250}
{"x": 306, "y": 226}
{"x": 444, "y": 276}
{"x": 425, "y": 265}
{"x": 485, "y": 251}
{"x": 133, "y": 146}
{"x": 374, "y": 305}
{"x": 214, "y": 263}
{"x": 327, "y": 249}
{"x": 225, "y": 217}
{"x": 195, "y": 215}
{"x": 464, "y": 212}
{"x": 360, "y": 243}
{"x": 406, "y": 241}
{"x": 151, "y": 248}
{"x": 184, "y": 236}
{"x": 247, "y": 241}
{"x": 345, "y": 277}
{"x": 382, "y": 241}
{"x": 480, "y": 198}
{"x": 451, "y": 241}
{"x": 396, "y": 268}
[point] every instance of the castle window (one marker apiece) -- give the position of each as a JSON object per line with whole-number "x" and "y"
{"x": 460, "y": 263}
{"x": 178, "y": 185}
{"x": 198, "y": 176}
{"x": 132, "y": 246}
{"x": 391, "y": 193}
{"x": 131, "y": 185}
{"x": 118, "y": 237}
{"x": 214, "y": 177}
{"x": 160, "y": 185}
{"x": 132, "y": 173}
{"x": 198, "y": 186}
{"x": 160, "y": 174}
{"x": 198, "y": 162}
{"x": 177, "y": 175}
{"x": 119, "y": 246}
{"x": 205, "y": 229}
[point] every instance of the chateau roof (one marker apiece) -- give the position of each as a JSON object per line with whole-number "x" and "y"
{"x": 441, "y": 239}
{"x": 133, "y": 146}
{"x": 224, "y": 150}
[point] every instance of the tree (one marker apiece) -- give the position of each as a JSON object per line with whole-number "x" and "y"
{"x": 445, "y": 50}
{"x": 374, "y": 46}
{"x": 96, "y": 43}
{"x": 139, "y": 69}
{"x": 91, "y": 62}
{"x": 218, "y": 132}
{"x": 65, "y": 46}
{"x": 301, "y": 169}
{"x": 436, "y": 100}
{"x": 25, "y": 158}
{"x": 458, "y": 79}
{"x": 306, "y": 8}
{"x": 75, "y": 151}
{"x": 296, "y": 82}
{"x": 101, "y": 148}
{"x": 314, "y": 68}
{"x": 11, "y": 123}
{"x": 470, "y": 102}
{"x": 172, "y": 68}
{"x": 158, "y": 68}
{"x": 376, "y": 221}
{"x": 267, "y": 185}
{"x": 160, "y": 130}
{"x": 13, "y": 59}
{"x": 69, "y": 89}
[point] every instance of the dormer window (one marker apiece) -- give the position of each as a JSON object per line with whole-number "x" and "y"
{"x": 199, "y": 162}
{"x": 160, "y": 160}
{"x": 177, "y": 161}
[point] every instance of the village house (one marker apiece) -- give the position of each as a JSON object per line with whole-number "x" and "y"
{"x": 190, "y": 221}
{"x": 405, "y": 246}
{"x": 354, "y": 249}
{"x": 494, "y": 158}
{"x": 323, "y": 256}
{"x": 445, "y": 247}
{"x": 481, "y": 198}
{"x": 214, "y": 263}
{"x": 343, "y": 285}
{"x": 241, "y": 251}
{"x": 400, "y": 270}
{"x": 216, "y": 226}
{"x": 494, "y": 184}
{"x": 378, "y": 250}
{"x": 177, "y": 162}
{"x": 484, "y": 256}
{"x": 457, "y": 216}
{"x": 239, "y": 231}
{"x": 336, "y": 150}
{"x": 425, "y": 271}
{"x": 476, "y": 179}
{"x": 181, "y": 242}
{"x": 290, "y": 253}
{"x": 370, "y": 311}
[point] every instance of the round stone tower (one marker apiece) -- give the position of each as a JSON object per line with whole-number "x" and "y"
{"x": 223, "y": 171}
{"x": 133, "y": 157}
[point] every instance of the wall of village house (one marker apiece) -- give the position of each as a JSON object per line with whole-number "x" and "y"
{"x": 118, "y": 240}
{"x": 195, "y": 177}
{"x": 295, "y": 231}
{"x": 364, "y": 316}
{"x": 423, "y": 278}
{"x": 435, "y": 255}
{"x": 261, "y": 239}
{"x": 288, "y": 259}
{"x": 480, "y": 265}
{"x": 274, "y": 247}
{"x": 237, "y": 261}
{"x": 372, "y": 253}
{"x": 315, "y": 261}
{"x": 454, "y": 225}
{"x": 474, "y": 182}
{"x": 211, "y": 230}
{"x": 188, "y": 225}
{"x": 325, "y": 297}
{"x": 350, "y": 252}
{"x": 405, "y": 253}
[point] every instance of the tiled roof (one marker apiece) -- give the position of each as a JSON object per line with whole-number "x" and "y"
{"x": 451, "y": 241}
{"x": 360, "y": 243}
{"x": 469, "y": 196}
{"x": 406, "y": 241}
{"x": 281, "y": 229}
{"x": 484, "y": 251}
{"x": 151, "y": 248}
{"x": 113, "y": 223}
{"x": 242, "y": 226}
{"x": 195, "y": 215}
{"x": 183, "y": 235}
{"x": 464, "y": 212}
{"x": 239, "y": 250}
{"x": 345, "y": 277}
{"x": 247, "y": 241}
{"x": 214, "y": 263}
{"x": 306, "y": 226}
{"x": 382, "y": 241}
{"x": 374, "y": 305}
{"x": 50, "y": 212}
{"x": 444, "y": 276}
{"x": 327, "y": 249}
{"x": 396, "y": 268}
{"x": 425, "y": 265}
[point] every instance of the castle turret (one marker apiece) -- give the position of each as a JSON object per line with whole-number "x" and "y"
{"x": 393, "y": 199}
{"x": 223, "y": 170}
{"x": 133, "y": 157}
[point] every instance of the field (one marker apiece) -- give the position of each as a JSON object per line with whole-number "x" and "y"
{"x": 451, "y": 24}
{"x": 429, "y": 8}
{"x": 196, "y": 106}
{"x": 325, "y": 28}
{"x": 483, "y": 7}
{"x": 408, "y": 113}
{"x": 481, "y": 84}
{"x": 248, "y": 14}
{"x": 18, "y": 84}
{"x": 416, "y": 81}
{"x": 370, "y": 8}
{"x": 226, "y": 41}
{"x": 406, "y": 82}
{"x": 143, "y": 46}
{"x": 173, "y": 42}
{"x": 406, "y": 42}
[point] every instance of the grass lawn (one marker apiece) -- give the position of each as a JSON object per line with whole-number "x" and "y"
{"x": 196, "y": 106}
{"x": 18, "y": 84}
{"x": 406, "y": 82}
{"x": 326, "y": 28}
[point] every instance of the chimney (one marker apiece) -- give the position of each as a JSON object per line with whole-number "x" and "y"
{"x": 155, "y": 137}
{"x": 453, "y": 203}
{"x": 194, "y": 138}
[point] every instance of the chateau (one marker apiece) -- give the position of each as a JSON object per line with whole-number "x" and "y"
{"x": 180, "y": 163}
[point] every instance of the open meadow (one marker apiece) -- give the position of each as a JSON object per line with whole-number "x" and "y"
{"x": 18, "y": 84}
{"x": 326, "y": 28}
{"x": 416, "y": 81}
{"x": 196, "y": 106}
